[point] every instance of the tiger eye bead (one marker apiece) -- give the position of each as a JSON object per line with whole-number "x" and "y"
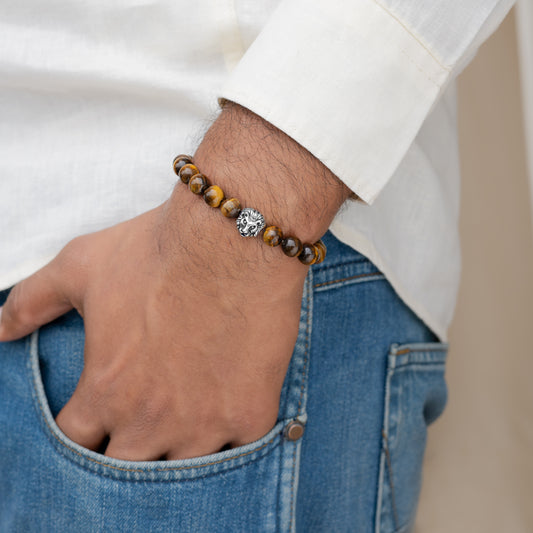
{"x": 198, "y": 184}
{"x": 231, "y": 208}
{"x": 291, "y": 246}
{"x": 308, "y": 254}
{"x": 272, "y": 235}
{"x": 187, "y": 172}
{"x": 321, "y": 251}
{"x": 213, "y": 196}
{"x": 180, "y": 161}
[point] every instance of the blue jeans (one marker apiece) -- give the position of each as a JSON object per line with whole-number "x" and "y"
{"x": 365, "y": 379}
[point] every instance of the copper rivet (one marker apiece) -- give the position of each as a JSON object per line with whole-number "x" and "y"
{"x": 294, "y": 430}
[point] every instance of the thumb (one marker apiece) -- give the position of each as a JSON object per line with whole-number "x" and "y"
{"x": 34, "y": 302}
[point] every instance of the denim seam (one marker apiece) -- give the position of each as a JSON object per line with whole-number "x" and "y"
{"x": 292, "y": 485}
{"x": 385, "y": 452}
{"x": 309, "y": 295}
{"x": 306, "y": 352}
{"x": 391, "y": 480}
{"x": 381, "y": 474}
{"x": 365, "y": 275}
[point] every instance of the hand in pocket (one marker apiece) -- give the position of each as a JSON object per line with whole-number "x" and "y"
{"x": 187, "y": 341}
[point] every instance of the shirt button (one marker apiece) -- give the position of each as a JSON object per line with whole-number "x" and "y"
{"x": 294, "y": 430}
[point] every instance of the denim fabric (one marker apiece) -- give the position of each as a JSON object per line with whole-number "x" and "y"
{"x": 366, "y": 378}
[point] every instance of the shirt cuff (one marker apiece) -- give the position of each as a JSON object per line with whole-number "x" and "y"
{"x": 347, "y": 80}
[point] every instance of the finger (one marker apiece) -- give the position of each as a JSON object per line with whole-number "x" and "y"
{"x": 32, "y": 303}
{"x": 80, "y": 423}
{"x": 128, "y": 448}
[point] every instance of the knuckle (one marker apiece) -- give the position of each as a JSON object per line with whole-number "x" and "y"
{"x": 155, "y": 405}
{"x": 73, "y": 254}
{"x": 127, "y": 401}
{"x": 98, "y": 388}
{"x": 153, "y": 410}
{"x": 77, "y": 422}
{"x": 96, "y": 392}
{"x": 74, "y": 245}
{"x": 126, "y": 451}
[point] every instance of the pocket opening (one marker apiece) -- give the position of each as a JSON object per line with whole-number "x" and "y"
{"x": 144, "y": 470}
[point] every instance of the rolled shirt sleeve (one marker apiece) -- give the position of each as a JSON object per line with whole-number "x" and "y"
{"x": 353, "y": 80}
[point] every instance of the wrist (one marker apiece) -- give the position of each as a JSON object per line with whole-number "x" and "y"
{"x": 267, "y": 170}
{"x": 190, "y": 232}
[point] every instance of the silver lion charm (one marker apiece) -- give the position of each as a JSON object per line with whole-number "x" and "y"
{"x": 250, "y": 222}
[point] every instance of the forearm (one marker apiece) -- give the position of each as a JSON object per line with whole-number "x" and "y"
{"x": 265, "y": 169}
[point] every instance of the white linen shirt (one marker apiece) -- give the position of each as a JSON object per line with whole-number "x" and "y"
{"x": 96, "y": 98}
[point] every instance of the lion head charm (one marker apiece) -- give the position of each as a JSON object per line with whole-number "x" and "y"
{"x": 250, "y": 222}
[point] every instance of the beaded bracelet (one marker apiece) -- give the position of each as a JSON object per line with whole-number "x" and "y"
{"x": 250, "y": 222}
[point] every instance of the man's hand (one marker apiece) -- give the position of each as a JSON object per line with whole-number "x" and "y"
{"x": 189, "y": 327}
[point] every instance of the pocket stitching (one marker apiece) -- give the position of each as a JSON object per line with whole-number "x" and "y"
{"x": 364, "y": 275}
{"x": 391, "y": 479}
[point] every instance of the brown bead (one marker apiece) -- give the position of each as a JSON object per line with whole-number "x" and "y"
{"x": 187, "y": 172}
{"x": 272, "y": 235}
{"x": 308, "y": 254}
{"x": 213, "y": 196}
{"x": 321, "y": 251}
{"x": 291, "y": 246}
{"x": 198, "y": 184}
{"x": 180, "y": 161}
{"x": 231, "y": 208}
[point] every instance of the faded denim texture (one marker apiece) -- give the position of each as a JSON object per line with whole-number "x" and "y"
{"x": 366, "y": 378}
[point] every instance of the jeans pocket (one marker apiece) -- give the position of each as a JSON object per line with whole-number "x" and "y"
{"x": 415, "y": 396}
{"x": 71, "y": 488}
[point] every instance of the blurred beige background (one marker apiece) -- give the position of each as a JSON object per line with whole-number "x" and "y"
{"x": 478, "y": 473}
